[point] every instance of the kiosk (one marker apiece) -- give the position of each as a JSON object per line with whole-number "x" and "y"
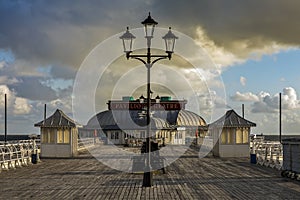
{"x": 231, "y": 135}
{"x": 59, "y": 136}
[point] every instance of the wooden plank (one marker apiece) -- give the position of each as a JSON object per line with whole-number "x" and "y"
{"x": 187, "y": 178}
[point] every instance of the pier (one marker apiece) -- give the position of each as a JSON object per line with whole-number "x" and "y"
{"x": 189, "y": 177}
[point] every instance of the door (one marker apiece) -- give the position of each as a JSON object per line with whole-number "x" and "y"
{"x": 115, "y": 137}
{"x": 178, "y": 138}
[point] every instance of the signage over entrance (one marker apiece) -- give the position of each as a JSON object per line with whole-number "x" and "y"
{"x": 134, "y": 105}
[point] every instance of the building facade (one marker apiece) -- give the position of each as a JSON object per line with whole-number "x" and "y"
{"x": 125, "y": 122}
{"x": 231, "y": 135}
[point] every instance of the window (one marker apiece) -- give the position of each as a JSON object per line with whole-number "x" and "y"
{"x": 223, "y": 137}
{"x": 60, "y": 136}
{"x": 128, "y": 135}
{"x": 239, "y": 136}
{"x": 51, "y": 135}
{"x": 114, "y": 135}
{"x": 178, "y": 135}
{"x": 143, "y": 134}
{"x": 44, "y": 135}
{"x": 231, "y": 132}
{"x": 48, "y": 135}
{"x": 245, "y": 135}
{"x": 228, "y": 136}
{"x": 66, "y": 136}
{"x": 63, "y": 136}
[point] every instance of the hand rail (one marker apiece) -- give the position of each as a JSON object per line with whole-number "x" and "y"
{"x": 13, "y": 155}
{"x": 84, "y": 143}
{"x": 268, "y": 153}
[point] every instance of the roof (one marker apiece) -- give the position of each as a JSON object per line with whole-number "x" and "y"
{"x": 232, "y": 119}
{"x": 58, "y": 119}
{"x": 115, "y": 120}
{"x": 188, "y": 118}
{"x": 133, "y": 120}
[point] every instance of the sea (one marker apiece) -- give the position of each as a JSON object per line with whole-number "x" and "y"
{"x": 276, "y": 137}
{"x": 15, "y": 137}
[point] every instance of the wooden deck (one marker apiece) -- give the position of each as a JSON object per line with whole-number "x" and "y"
{"x": 187, "y": 178}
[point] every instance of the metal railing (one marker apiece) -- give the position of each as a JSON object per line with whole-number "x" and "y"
{"x": 268, "y": 153}
{"x": 17, "y": 154}
{"x": 84, "y": 143}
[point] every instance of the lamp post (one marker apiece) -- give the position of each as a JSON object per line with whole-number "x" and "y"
{"x": 127, "y": 39}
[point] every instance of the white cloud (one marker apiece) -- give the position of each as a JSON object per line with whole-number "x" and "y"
{"x": 290, "y": 99}
{"x": 250, "y": 97}
{"x": 243, "y": 81}
{"x": 61, "y": 103}
{"x": 16, "y": 104}
{"x": 265, "y": 102}
{"x": 10, "y": 95}
{"x": 269, "y": 103}
{"x": 21, "y": 106}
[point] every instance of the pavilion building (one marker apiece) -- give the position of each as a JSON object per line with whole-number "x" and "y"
{"x": 125, "y": 121}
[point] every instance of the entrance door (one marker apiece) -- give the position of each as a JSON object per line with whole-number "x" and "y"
{"x": 178, "y": 138}
{"x": 115, "y": 137}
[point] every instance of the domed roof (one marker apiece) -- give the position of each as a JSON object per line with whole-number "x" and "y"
{"x": 188, "y": 118}
{"x": 133, "y": 120}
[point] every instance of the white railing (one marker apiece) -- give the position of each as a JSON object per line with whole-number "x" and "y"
{"x": 268, "y": 153}
{"x": 18, "y": 154}
{"x": 84, "y": 143}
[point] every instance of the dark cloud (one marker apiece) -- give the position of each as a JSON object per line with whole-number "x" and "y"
{"x": 257, "y": 22}
{"x": 31, "y": 88}
{"x": 60, "y": 31}
{"x": 65, "y": 31}
{"x": 63, "y": 72}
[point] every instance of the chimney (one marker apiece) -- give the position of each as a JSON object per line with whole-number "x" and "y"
{"x": 243, "y": 111}
{"x": 45, "y": 111}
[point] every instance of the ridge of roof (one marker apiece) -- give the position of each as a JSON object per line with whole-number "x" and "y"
{"x": 232, "y": 119}
{"x": 57, "y": 119}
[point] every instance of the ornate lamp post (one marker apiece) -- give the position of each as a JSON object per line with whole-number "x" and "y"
{"x": 127, "y": 39}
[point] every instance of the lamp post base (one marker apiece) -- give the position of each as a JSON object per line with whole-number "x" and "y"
{"x": 147, "y": 181}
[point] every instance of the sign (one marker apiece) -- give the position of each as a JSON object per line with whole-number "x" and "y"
{"x": 171, "y": 105}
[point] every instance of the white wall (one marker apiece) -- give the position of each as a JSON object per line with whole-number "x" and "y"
{"x": 56, "y": 150}
{"x": 238, "y": 150}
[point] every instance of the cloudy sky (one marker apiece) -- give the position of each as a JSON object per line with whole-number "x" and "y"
{"x": 253, "y": 43}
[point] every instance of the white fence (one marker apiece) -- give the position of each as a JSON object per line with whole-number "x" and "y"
{"x": 84, "y": 143}
{"x": 268, "y": 153}
{"x": 18, "y": 154}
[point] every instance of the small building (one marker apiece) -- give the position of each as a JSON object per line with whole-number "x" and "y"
{"x": 59, "y": 136}
{"x": 231, "y": 135}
